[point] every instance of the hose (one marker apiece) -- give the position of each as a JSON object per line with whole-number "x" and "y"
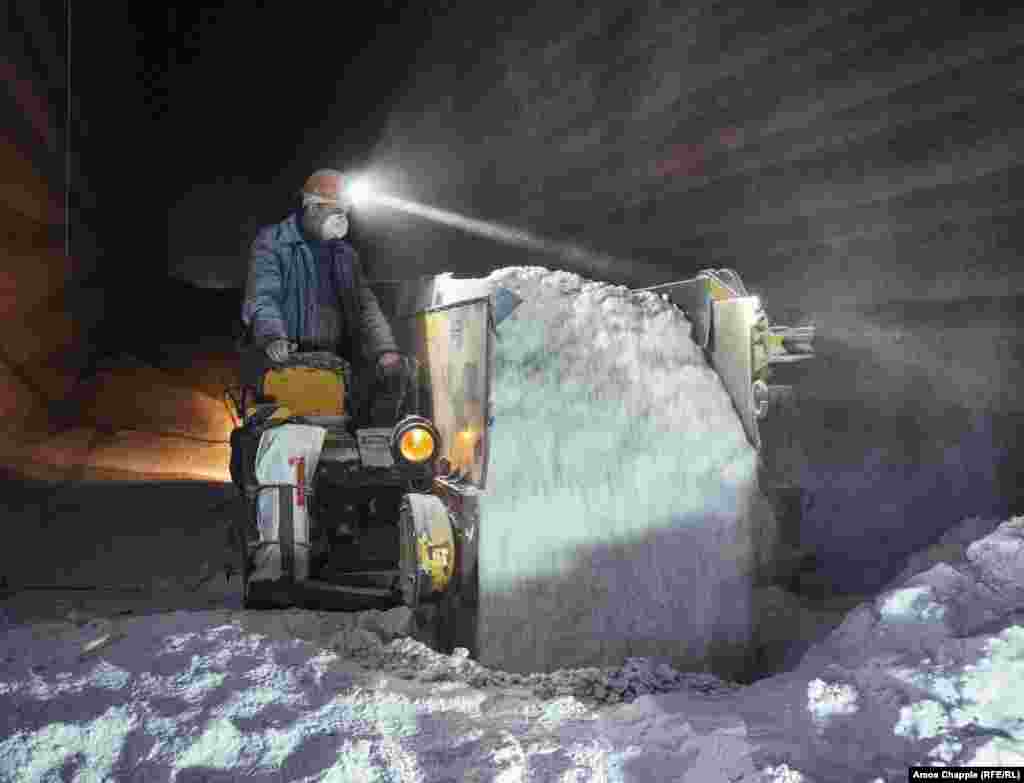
{"x": 235, "y": 405}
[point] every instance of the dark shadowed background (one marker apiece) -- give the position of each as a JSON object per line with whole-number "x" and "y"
{"x": 858, "y": 164}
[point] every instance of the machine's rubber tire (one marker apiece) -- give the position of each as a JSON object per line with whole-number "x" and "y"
{"x": 407, "y": 586}
{"x": 447, "y": 620}
{"x": 467, "y": 614}
{"x": 271, "y": 594}
{"x": 471, "y": 591}
{"x": 241, "y": 528}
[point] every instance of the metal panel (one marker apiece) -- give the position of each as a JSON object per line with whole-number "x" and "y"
{"x": 693, "y": 297}
{"x": 733, "y": 321}
{"x": 375, "y": 446}
{"x": 454, "y": 340}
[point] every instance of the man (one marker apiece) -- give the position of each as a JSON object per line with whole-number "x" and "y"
{"x": 306, "y": 290}
{"x": 306, "y": 285}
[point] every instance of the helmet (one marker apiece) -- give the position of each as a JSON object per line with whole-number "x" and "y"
{"x": 327, "y": 186}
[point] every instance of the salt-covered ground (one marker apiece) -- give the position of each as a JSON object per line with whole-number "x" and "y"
{"x": 927, "y": 673}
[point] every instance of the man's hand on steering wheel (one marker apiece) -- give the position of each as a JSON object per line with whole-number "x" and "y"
{"x": 389, "y": 364}
{"x": 279, "y": 350}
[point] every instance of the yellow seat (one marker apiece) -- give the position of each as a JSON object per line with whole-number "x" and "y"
{"x": 306, "y": 391}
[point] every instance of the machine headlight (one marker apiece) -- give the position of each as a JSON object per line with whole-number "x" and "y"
{"x": 417, "y": 445}
{"x": 415, "y": 440}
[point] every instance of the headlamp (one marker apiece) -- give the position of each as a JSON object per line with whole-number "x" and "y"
{"x": 359, "y": 191}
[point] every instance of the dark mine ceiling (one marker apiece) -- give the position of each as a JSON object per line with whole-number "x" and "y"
{"x": 848, "y": 153}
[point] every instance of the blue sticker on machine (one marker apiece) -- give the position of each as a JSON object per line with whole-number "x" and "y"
{"x": 505, "y": 303}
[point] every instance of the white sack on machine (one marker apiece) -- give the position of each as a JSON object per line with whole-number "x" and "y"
{"x": 287, "y": 454}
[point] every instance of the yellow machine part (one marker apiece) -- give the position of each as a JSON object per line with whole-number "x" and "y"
{"x": 306, "y": 391}
{"x": 718, "y": 290}
{"x": 428, "y": 547}
{"x": 437, "y": 557}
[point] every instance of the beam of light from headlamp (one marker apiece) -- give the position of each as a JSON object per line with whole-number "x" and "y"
{"x": 569, "y": 252}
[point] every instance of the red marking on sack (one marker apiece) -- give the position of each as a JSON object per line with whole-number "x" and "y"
{"x": 300, "y": 479}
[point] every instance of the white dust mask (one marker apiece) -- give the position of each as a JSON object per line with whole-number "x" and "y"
{"x": 335, "y": 226}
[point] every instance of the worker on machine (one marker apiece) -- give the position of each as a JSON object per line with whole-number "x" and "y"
{"x": 306, "y": 290}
